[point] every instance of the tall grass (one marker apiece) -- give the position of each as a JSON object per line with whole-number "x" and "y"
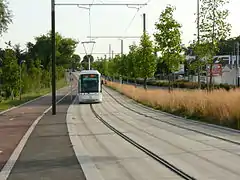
{"x": 218, "y": 107}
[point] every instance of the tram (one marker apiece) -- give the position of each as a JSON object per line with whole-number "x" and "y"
{"x": 89, "y": 86}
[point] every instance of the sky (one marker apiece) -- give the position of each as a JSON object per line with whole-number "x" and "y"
{"x": 33, "y": 18}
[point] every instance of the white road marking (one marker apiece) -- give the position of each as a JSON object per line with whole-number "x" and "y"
{"x": 6, "y": 170}
{"x": 11, "y": 119}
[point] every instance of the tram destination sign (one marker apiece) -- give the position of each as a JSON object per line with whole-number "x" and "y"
{"x": 89, "y": 76}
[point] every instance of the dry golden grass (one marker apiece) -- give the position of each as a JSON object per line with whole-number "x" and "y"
{"x": 219, "y": 106}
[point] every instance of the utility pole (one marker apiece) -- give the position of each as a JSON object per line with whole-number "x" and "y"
{"x": 116, "y": 37}
{"x": 89, "y": 62}
{"x": 120, "y": 78}
{"x": 213, "y": 39}
{"x": 144, "y": 23}
{"x": 112, "y": 54}
{"x": 237, "y": 65}
{"x": 20, "y": 79}
{"x": 110, "y": 49}
{"x": 1, "y": 63}
{"x": 198, "y": 41}
{"x": 144, "y": 56}
{"x": 121, "y": 47}
{"x": 53, "y": 60}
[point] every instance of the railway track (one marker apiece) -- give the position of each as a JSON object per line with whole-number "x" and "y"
{"x": 170, "y": 123}
{"x": 143, "y": 149}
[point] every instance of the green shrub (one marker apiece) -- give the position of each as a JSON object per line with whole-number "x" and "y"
{"x": 185, "y": 84}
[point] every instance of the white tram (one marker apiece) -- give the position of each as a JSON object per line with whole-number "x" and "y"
{"x": 89, "y": 86}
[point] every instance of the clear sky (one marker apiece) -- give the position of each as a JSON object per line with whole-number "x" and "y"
{"x": 33, "y": 17}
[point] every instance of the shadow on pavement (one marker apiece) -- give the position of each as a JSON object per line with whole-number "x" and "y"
{"x": 36, "y": 165}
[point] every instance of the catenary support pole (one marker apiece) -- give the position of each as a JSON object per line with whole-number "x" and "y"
{"x": 53, "y": 60}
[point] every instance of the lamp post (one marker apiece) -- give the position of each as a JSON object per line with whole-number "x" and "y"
{"x": 20, "y": 77}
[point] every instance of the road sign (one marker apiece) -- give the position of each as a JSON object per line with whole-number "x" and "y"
{"x": 216, "y": 69}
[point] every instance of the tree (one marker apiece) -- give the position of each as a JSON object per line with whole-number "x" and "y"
{"x": 133, "y": 59}
{"x": 168, "y": 40}
{"x": 5, "y": 16}
{"x": 85, "y": 58}
{"x": 123, "y": 65}
{"x": 36, "y": 71}
{"x": 213, "y": 29}
{"x": 65, "y": 51}
{"x": 161, "y": 66}
{"x": 99, "y": 66}
{"x": 10, "y": 72}
{"x": 84, "y": 62}
{"x": 19, "y": 53}
{"x": 146, "y": 61}
{"x": 75, "y": 61}
{"x": 65, "y": 48}
{"x": 105, "y": 67}
{"x": 228, "y": 46}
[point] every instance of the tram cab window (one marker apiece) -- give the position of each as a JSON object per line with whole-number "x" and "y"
{"x": 89, "y": 83}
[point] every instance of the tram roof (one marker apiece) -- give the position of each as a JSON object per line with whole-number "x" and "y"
{"x": 89, "y": 72}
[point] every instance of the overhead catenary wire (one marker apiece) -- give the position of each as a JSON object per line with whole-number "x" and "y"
{"x": 90, "y": 31}
{"x": 90, "y": 24}
{"x": 138, "y": 9}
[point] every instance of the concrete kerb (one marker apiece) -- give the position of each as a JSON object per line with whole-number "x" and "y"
{"x": 6, "y": 170}
{"x": 90, "y": 170}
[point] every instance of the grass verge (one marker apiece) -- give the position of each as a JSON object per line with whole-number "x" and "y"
{"x": 6, "y": 104}
{"x": 219, "y": 107}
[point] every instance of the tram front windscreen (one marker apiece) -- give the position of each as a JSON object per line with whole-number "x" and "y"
{"x": 89, "y": 83}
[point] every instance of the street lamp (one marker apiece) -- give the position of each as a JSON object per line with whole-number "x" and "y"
{"x": 20, "y": 77}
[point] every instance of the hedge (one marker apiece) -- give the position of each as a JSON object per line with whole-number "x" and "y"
{"x": 177, "y": 84}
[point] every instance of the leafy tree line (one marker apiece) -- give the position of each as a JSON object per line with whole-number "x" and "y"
{"x": 142, "y": 60}
{"x": 162, "y": 55}
{"x": 33, "y": 63}
{"x": 214, "y": 31}
{"x": 29, "y": 68}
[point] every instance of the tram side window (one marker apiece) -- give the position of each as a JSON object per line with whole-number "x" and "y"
{"x": 89, "y": 83}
